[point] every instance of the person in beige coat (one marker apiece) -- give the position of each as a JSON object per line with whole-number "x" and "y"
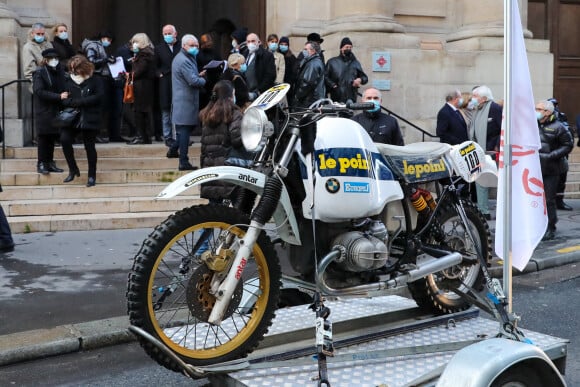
{"x": 32, "y": 50}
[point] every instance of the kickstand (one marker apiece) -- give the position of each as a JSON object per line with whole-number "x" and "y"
{"x": 324, "y": 346}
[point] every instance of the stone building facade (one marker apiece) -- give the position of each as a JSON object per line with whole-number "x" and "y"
{"x": 428, "y": 47}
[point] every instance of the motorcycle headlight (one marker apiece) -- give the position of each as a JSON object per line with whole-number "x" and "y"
{"x": 255, "y": 126}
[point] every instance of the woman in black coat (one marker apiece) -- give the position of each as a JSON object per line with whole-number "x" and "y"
{"x": 62, "y": 44}
{"x": 85, "y": 93}
{"x": 48, "y": 88}
{"x": 143, "y": 86}
{"x": 234, "y": 74}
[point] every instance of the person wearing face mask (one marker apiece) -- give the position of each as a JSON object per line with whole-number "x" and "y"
{"x": 235, "y": 74}
{"x": 261, "y": 71}
{"x": 451, "y": 125}
{"x": 48, "y": 84}
{"x": 85, "y": 93}
{"x": 290, "y": 66}
{"x": 97, "y": 52}
{"x": 309, "y": 86}
{"x": 186, "y": 84}
{"x": 556, "y": 144}
{"x": 344, "y": 74}
{"x": 62, "y": 44}
{"x": 143, "y": 65}
{"x": 485, "y": 129}
{"x": 239, "y": 41}
{"x": 32, "y": 50}
{"x": 164, "y": 53}
{"x": 279, "y": 62}
{"x": 381, "y": 127}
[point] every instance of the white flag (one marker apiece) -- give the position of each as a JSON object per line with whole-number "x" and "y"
{"x": 528, "y": 204}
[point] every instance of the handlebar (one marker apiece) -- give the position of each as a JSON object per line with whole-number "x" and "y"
{"x": 345, "y": 108}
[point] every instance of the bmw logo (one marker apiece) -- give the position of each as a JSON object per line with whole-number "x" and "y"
{"x": 332, "y": 185}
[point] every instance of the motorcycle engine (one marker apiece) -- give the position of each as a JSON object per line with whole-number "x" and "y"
{"x": 362, "y": 251}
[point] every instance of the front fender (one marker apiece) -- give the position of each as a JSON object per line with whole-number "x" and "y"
{"x": 246, "y": 178}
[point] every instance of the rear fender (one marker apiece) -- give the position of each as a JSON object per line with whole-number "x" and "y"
{"x": 287, "y": 227}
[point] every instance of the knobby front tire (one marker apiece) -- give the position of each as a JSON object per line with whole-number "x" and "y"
{"x": 169, "y": 288}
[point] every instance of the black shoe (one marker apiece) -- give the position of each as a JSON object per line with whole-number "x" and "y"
{"x": 101, "y": 140}
{"x": 91, "y": 182}
{"x": 172, "y": 154}
{"x": 169, "y": 142}
{"x": 549, "y": 235}
{"x": 117, "y": 139}
{"x": 6, "y": 247}
{"x": 71, "y": 175}
{"x": 53, "y": 168}
{"x": 136, "y": 141}
{"x": 563, "y": 206}
{"x": 187, "y": 167}
{"x": 42, "y": 168}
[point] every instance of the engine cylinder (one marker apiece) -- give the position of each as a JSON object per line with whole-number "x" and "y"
{"x": 362, "y": 252}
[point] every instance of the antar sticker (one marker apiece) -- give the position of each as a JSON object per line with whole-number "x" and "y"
{"x": 247, "y": 178}
{"x": 240, "y": 268}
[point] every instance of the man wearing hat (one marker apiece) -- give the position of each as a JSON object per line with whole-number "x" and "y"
{"x": 344, "y": 74}
{"x": 48, "y": 85}
{"x": 313, "y": 37}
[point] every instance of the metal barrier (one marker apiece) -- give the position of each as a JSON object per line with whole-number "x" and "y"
{"x": 3, "y": 128}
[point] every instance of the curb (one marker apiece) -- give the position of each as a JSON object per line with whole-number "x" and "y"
{"x": 70, "y": 338}
{"x": 40, "y": 343}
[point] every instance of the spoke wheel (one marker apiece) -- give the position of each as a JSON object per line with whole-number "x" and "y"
{"x": 171, "y": 287}
{"x": 434, "y": 293}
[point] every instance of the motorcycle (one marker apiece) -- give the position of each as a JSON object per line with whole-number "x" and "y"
{"x": 355, "y": 218}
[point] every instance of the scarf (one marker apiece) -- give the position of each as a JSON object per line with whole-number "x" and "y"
{"x": 478, "y": 127}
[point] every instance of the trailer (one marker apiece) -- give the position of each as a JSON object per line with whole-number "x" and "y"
{"x": 389, "y": 341}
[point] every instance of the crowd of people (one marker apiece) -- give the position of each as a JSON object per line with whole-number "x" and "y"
{"x": 192, "y": 77}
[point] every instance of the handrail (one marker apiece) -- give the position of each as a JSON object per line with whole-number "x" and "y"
{"x": 4, "y": 112}
{"x": 425, "y": 133}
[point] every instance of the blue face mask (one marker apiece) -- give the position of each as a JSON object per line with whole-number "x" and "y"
{"x": 39, "y": 38}
{"x": 192, "y": 51}
{"x": 539, "y": 116}
{"x": 168, "y": 39}
{"x": 273, "y": 46}
{"x": 63, "y": 36}
{"x": 106, "y": 43}
{"x": 305, "y": 53}
{"x": 283, "y": 48}
{"x": 243, "y": 68}
{"x": 376, "y": 108}
{"x": 234, "y": 99}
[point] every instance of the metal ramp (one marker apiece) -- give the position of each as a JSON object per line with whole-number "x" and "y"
{"x": 382, "y": 341}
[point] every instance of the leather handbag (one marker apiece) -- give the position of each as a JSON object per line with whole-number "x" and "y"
{"x": 128, "y": 93}
{"x": 66, "y": 118}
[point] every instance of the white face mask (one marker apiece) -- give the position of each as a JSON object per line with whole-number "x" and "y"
{"x": 78, "y": 79}
{"x": 234, "y": 43}
{"x": 252, "y": 47}
{"x": 52, "y": 62}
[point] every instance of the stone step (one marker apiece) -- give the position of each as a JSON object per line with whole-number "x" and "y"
{"x": 77, "y": 206}
{"x": 68, "y": 191}
{"x": 103, "y": 177}
{"x": 104, "y": 151}
{"x": 55, "y": 223}
{"x": 103, "y": 164}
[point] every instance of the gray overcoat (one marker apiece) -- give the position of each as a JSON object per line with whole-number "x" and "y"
{"x": 186, "y": 83}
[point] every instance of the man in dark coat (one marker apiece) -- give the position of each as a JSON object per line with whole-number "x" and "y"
{"x": 261, "y": 70}
{"x": 344, "y": 74}
{"x": 164, "y": 53}
{"x": 381, "y": 127}
{"x": 309, "y": 85}
{"x": 451, "y": 126}
{"x": 313, "y": 37}
{"x": 48, "y": 85}
{"x": 556, "y": 145}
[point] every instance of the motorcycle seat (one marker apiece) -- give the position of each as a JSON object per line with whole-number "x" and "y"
{"x": 416, "y": 149}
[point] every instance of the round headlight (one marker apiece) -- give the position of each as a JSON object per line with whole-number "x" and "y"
{"x": 253, "y": 125}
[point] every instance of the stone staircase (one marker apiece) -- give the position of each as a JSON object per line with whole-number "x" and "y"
{"x": 573, "y": 180}
{"x": 128, "y": 179}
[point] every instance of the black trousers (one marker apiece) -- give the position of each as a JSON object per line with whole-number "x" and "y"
{"x": 45, "y": 146}
{"x": 550, "y": 190}
{"x": 67, "y": 138}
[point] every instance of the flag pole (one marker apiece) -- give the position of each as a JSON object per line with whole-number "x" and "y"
{"x": 507, "y": 155}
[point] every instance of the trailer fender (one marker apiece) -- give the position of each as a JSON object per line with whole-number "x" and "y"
{"x": 498, "y": 362}
{"x": 246, "y": 178}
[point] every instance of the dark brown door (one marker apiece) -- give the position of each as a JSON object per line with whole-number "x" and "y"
{"x": 127, "y": 17}
{"x": 559, "y": 22}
